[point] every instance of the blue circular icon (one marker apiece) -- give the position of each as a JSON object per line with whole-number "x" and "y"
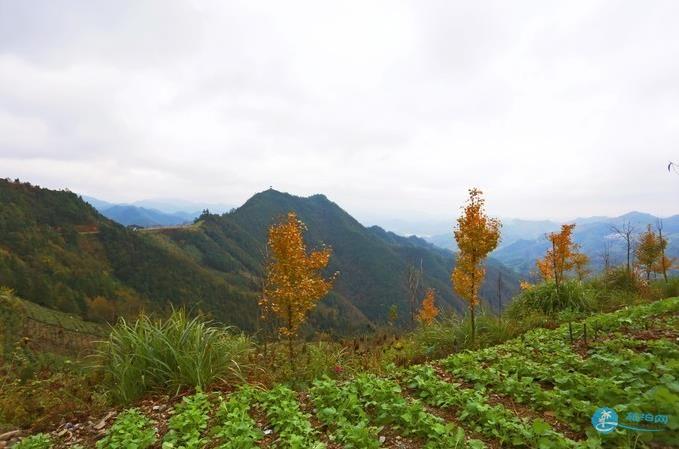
{"x": 605, "y": 420}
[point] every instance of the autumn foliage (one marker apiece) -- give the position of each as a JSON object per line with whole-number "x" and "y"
{"x": 562, "y": 257}
{"x": 294, "y": 283}
{"x": 650, "y": 253}
{"x": 476, "y": 235}
{"x": 428, "y": 312}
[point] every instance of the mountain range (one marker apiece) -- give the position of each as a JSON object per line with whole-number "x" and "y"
{"x": 59, "y": 251}
{"x": 524, "y": 241}
{"x": 154, "y": 212}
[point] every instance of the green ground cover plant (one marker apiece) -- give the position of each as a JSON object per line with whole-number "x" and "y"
{"x": 234, "y": 427}
{"x": 292, "y": 426}
{"x": 493, "y": 421}
{"x": 340, "y": 409}
{"x": 131, "y": 429}
{"x": 188, "y": 425}
{"x": 38, "y": 441}
{"x": 384, "y": 400}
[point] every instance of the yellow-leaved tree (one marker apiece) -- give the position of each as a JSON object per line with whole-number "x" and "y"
{"x": 428, "y": 311}
{"x": 649, "y": 252}
{"x": 294, "y": 283}
{"x": 476, "y": 235}
{"x": 563, "y": 256}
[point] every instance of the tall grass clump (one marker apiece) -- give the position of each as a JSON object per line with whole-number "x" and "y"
{"x": 573, "y": 295}
{"x": 168, "y": 355}
{"x": 669, "y": 289}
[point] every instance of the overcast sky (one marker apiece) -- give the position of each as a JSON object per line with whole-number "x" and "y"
{"x": 391, "y": 109}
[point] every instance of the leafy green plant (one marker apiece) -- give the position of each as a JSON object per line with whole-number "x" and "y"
{"x": 188, "y": 424}
{"x": 131, "y": 429}
{"x": 38, "y": 441}
{"x": 383, "y": 399}
{"x": 235, "y": 427}
{"x": 167, "y": 355}
{"x": 292, "y": 425}
{"x": 340, "y": 409}
{"x": 493, "y": 421}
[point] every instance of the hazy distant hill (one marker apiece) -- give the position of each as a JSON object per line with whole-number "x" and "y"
{"x": 140, "y": 216}
{"x": 592, "y": 234}
{"x": 154, "y": 212}
{"x": 512, "y": 230}
{"x": 58, "y": 251}
{"x": 173, "y": 206}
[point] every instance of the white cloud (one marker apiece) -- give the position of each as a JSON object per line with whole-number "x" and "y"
{"x": 390, "y": 108}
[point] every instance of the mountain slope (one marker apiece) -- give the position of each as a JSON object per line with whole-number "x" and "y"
{"x": 58, "y": 251}
{"x": 372, "y": 262}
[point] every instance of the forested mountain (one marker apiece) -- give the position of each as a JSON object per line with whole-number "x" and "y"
{"x": 58, "y": 251}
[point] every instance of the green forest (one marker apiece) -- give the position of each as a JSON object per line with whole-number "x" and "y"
{"x": 57, "y": 251}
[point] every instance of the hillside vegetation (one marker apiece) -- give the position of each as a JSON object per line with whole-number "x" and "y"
{"x": 59, "y": 252}
{"x": 536, "y": 391}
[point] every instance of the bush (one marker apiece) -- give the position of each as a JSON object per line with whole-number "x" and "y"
{"x": 544, "y": 298}
{"x": 155, "y": 355}
{"x": 618, "y": 279}
{"x": 60, "y": 391}
{"x": 12, "y": 314}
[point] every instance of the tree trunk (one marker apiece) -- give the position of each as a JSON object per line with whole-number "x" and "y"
{"x": 473, "y": 324}
{"x": 499, "y": 297}
{"x": 290, "y": 349}
{"x": 662, "y": 253}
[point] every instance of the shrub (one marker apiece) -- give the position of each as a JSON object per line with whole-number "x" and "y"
{"x": 63, "y": 391}
{"x": 618, "y": 279}
{"x": 11, "y": 318}
{"x": 156, "y": 355}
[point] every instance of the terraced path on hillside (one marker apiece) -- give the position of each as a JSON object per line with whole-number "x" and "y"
{"x": 537, "y": 391}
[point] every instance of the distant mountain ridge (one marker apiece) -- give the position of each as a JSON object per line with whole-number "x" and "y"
{"x": 154, "y": 212}
{"x": 140, "y": 216}
{"x": 523, "y": 241}
{"x": 58, "y": 251}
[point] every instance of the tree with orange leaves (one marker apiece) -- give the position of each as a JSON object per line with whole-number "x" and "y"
{"x": 428, "y": 312}
{"x": 562, "y": 257}
{"x": 476, "y": 235}
{"x": 649, "y": 251}
{"x": 293, "y": 284}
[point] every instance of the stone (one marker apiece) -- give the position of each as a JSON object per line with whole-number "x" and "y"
{"x": 100, "y": 425}
{"x": 9, "y": 435}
